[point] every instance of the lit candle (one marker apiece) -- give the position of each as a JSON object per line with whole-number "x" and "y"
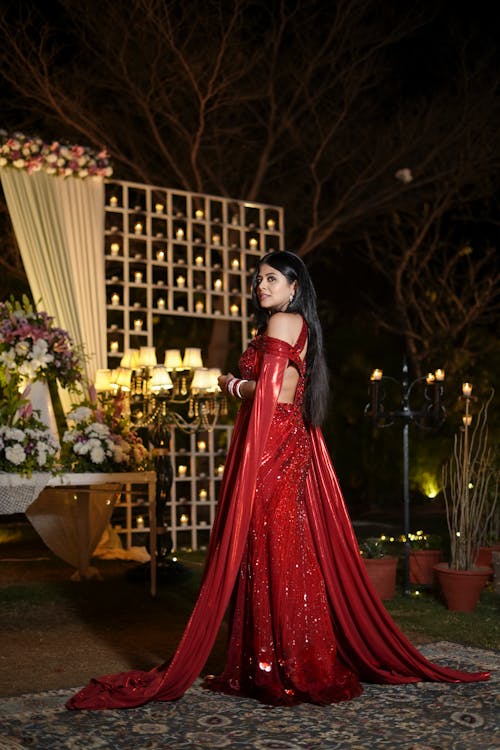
{"x": 203, "y": 494}
{"x": 198, "y": 260}
{"x": 220, "y": 470}
{"x": 235, "y": 263}
{"x": 182, "y": 470}
{"x": 181, "y": 281}
{"x": 202, "y": 446}
{"x": 467, "y": 420}
{"x": 376, "y": 375}
{"x": 199, "y": 213}
{"x": 159, "y": 208}
{"x": 218, "y": 284}
{"x": 113, "y": 346}
{"x": 180, "y": 234}
{"x": 138, "y": 324}
{"x": 161, "y": 304}
{"x": 184, "y": 519}
{"x": 271, "y": 224}
{"x": 216, "y": 239}
{"x": 160, "y": 255}
{"x": 253, "y": 242}
{"x": 138, "y": 277}
{"x": 115, "y": 248}
{"x": 140, "y": 522}
{"x": 430, "y": 378}
{"x": 199, "y": 307}
{"x": 439, "y": 374}
{"x": 234, "y": 310}
{"x": 115, "y": 299}
{"x": 113, "y": 201}
{"x": 467, "y": 389}
{"x": 138, "y": 228}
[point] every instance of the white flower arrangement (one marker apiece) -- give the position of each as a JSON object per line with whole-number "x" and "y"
{"x": 33, "y": 154}
{"x": 27, "y": 447}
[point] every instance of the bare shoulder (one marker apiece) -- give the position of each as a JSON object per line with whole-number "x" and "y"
{"x": 285, "y": 326}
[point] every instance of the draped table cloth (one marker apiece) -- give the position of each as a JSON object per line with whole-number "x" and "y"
{"x": 70, "y": 511}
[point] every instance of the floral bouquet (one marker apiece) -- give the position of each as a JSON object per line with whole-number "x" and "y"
{"x": 100, "y": 438}
{"x": 33, "y": 154}
{"x": 26, "y": 445}
{"x": 33, "y": 348}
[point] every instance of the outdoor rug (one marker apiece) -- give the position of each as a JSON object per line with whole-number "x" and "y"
{"x": 423, "y": 716}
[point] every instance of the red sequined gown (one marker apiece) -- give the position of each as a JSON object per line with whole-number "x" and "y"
{"x": 306, "y": 623}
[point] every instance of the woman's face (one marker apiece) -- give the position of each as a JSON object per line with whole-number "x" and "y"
{"x": 273, "y": 289}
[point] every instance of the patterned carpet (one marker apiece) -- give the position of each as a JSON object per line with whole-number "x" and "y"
{"x": 425, "y": 716}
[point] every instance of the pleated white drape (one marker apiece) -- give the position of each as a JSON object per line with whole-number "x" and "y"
{"x": 59, "y": 226}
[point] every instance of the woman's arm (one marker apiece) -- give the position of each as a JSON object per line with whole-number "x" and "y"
{"x": 246, "y": 388}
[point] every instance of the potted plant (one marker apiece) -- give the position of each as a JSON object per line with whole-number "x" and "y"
{"x": 425, "y": 553}
{"x": 470, "y": 487}
{"x": 380, "y": 566}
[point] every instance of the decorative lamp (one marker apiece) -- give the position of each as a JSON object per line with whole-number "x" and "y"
{"x": 147, "y": 356}
{"x": 173, "y": 359}
{"x": 192, "y": 358}
{"x": 160, "y": 380}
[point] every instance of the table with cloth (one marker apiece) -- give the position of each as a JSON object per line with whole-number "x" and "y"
{"x": 71, "y": 511}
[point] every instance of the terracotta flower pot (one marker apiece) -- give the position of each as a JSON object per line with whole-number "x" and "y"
{"x": 484, "y": 555}
{"x": 461, "y": 588}
{"x": 422, "y": 563}
{"x": 382, "y": 573}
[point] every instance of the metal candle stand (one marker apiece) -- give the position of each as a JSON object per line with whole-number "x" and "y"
{"x": 430, "y": 416}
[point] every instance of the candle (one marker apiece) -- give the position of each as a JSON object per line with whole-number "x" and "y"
{"x": 115, "y": 248}
{"x": 467, "y": 420}
{"x": 202, "y": 446}
{"x": 161, "y": 303}
{"x": 203, "y": 494}
{"x": 180, "y": 234}
{"x": 182, "y": 470}
{"x": 140, "y": 522}
{"x": 235, "y": 263}
{"x": 159, "y": 208}
{"x": 115, "y": 299}
{"x": 220, "y": 470}
{"x": 198, "y": 260}
{"x": 376, "y": 375}
{"x": 138, "y": 324}
{"x": 199, "y": 307}
{"x": 439, "y": 374}
{"x": 138, "y": 228}
{"x": 113, "y": 201}
{"x": 430, "y": 378}
{"x": 271, "y": 224}
{"x": 218, "y": 284}
{"x": 216, "y": 239}
{"x": 199, "y": 213}
{"x": 253, "y": 242}
{"x": 181, "y": 281}
{"x": 138, "y": 277}
{"x": 160, "y": 255}
{"x": 184, "y": 519}
{"x": 113, "y": 346}
{"x": 234, "y": 310}
{"x": 467, "y": 389}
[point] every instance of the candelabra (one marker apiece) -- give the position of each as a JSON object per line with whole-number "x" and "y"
{"x": 157, "y": 393}
{"x": 430, "y": 415}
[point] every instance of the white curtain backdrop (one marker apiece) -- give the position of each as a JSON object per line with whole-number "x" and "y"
{"x": 59, "y": 226}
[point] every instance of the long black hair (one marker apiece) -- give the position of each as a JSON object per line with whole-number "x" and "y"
{"x": 304, "y": 303}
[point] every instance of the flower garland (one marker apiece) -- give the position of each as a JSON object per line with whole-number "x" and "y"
{"x": 33, "y": 348}
{"x": 33, "y": 154}
{"x": 101, "y": 438}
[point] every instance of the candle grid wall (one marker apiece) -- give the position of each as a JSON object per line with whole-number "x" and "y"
{"x": 172, "y": 253}
{"x": 176, "y": 253}
{"x": 190, "y": 511}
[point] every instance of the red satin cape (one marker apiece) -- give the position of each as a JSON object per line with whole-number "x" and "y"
{"x": 367, "y": 639}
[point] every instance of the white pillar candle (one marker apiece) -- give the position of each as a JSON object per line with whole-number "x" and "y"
{"x": 181, "y": 281}
{"x": 138, "y": 228}
{"x": 218, "y": 285}
{"x": 184, "y": 519}
{"x": 115, "y": 299}
{"x": 115, "y": 248}
{"x": 138, "y": 324}
{"x": 160, "y": 255}
{"x": 113, "y": 346}
{"x": 198, "y": 260}
{"x": 138, "y": 277}
{"x": 203, "y": 494}
{"x": 161, "y": 304}
{"x": 180, "y": 234}
{"x": 159, "y": 208}
{"x": 235, "y": 263}
{"x": 113, "y": 201}
{"x": 234, "y": 310}
{"x": 199, "y": 307}
{"x": 199, "y": 213}
{"x": 182, "y": 470}
{"x": 202, "y": 446}
{"x": 140, "y": 522}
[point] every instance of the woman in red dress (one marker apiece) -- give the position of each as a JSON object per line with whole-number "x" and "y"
{"x": 305, "y": 622}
